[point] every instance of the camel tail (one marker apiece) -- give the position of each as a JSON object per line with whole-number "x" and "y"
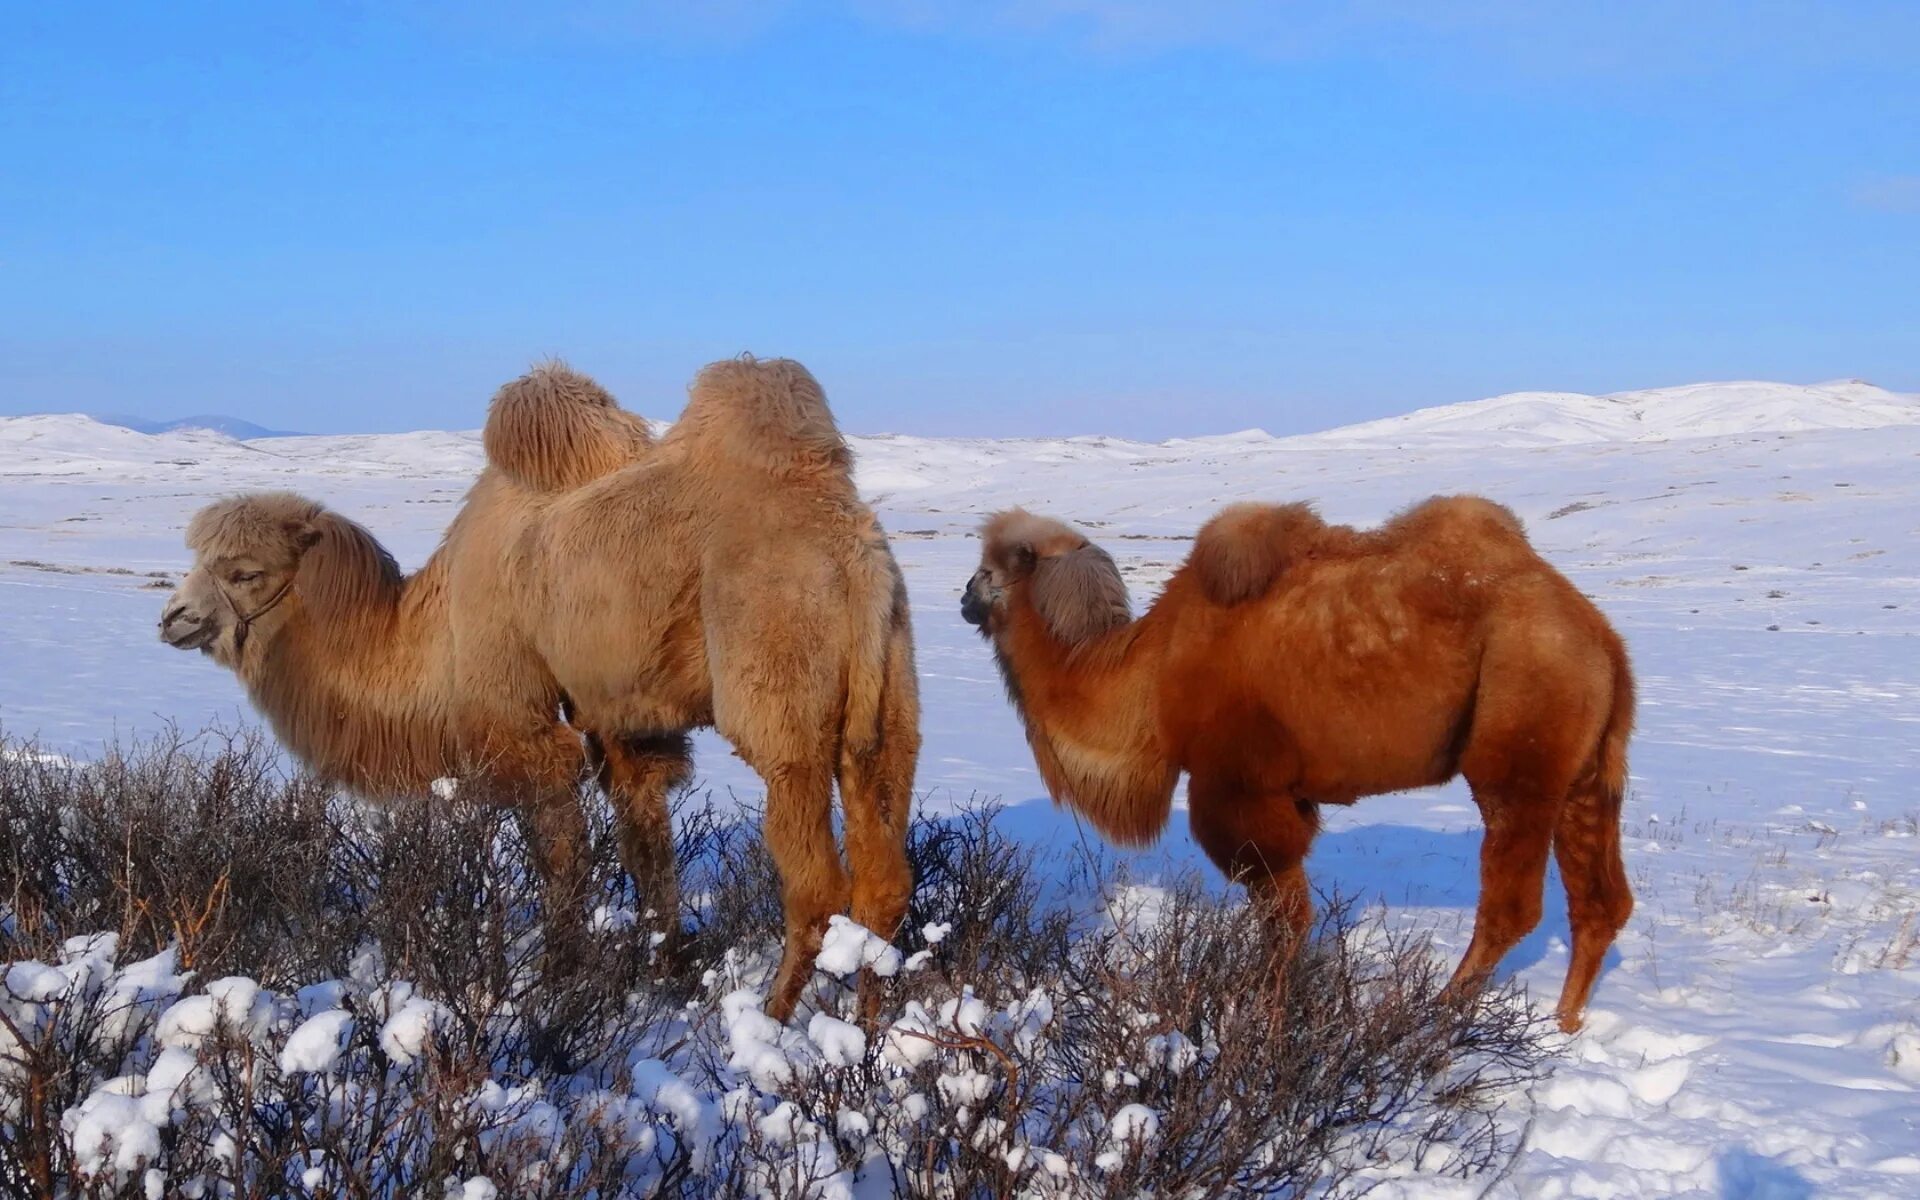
{"x": 878, "y": 605}
{"x": 554, "y": 429}
{"x": 1611, "y": 769}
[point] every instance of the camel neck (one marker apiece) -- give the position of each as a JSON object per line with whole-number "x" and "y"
{"x": 1090, "y": 716}
{"x": 354, "y": 679}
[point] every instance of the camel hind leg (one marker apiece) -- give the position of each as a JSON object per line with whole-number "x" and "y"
{"x": 1534, "y": 727}
{"x": 876, "y": 797}
{"x": 1519, "y": 824}
{"x": 813, "y": 881}
{"x": 1599, "y": 899}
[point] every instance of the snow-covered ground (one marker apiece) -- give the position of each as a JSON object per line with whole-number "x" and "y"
{"x": 1757, "y": 1033}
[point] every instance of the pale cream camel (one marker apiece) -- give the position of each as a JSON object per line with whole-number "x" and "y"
{"x": 599, "y": 595}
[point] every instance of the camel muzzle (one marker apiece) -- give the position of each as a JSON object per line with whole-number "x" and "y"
{"x": 973, "y": 610}
{"x": 184, "y": 632}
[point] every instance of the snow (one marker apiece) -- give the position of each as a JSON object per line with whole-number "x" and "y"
{"x": 1756, "y": 1031}
{"x": 842, "y": 1043}
{"x": 1658, "y": 414}
{"x": 1133, "y": 1124}
{"x": 849, "y": 946}
{"x": 110, "y": 1134}
{"x": 236, "y": 1003}
{"x": 407, "y": 1033}
{"x": 657, "y": 1087}
{"x": 316, "y": 1044}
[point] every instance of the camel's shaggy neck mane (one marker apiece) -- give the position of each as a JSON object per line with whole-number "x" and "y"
{"x": 350, "y": 679}
{"x": 1089, "y": 712}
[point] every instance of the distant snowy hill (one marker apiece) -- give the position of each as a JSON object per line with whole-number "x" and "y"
{"x": 1656, "y": 414}
{"x": 233, "y": 427}
{"x": 1517, "y": 419}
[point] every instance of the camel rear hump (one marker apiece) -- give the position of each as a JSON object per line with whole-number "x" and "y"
{"x": 766, "y": 413}
{"x": 555, "y": 429}
{"x": 1457, "y": 520}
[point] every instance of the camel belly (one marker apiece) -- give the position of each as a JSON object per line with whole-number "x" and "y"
{"x": 633, "y": 667}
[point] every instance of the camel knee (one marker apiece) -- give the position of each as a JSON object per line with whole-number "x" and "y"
{"x": 1512, "y": 916}
{"x": 813, "y": 880}
{"x": 1621, "y": 910}
{"x": 1609, "y": 916}
{"x": 812, "y": 892}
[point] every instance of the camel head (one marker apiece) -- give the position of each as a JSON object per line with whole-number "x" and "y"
{"x": 246, "y": 555}
{"x": 1037, "y": 561}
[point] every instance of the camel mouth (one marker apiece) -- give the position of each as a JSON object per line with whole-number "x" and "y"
{"x": 197, "y": 637}
{"x": 973, "y": 610}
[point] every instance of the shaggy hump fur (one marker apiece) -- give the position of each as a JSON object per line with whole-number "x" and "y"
{"x": 1239, "y": 553}
{"x": 1290, "y": 664}
{"x": 1246, "y": 548}
{"x": 769, "y": 414}
{"x": 554, "y": 429}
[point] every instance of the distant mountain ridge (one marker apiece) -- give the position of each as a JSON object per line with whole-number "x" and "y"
{"x": 233, "y": 427}
{"x": 1518, "y": 419}
{"x": 1650, "y": 414}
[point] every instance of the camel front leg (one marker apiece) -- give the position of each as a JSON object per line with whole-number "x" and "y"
{"x": 536, "y": 768}
{"x": 556, "y": 832}
{"x": 1262, "y": 844}
{"x": 639, "y": 773}
{"x": 1513, "y": 872}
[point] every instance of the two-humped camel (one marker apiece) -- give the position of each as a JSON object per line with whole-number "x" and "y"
{"x": 1290, "y": 664}
{"x": 599, "y": 595}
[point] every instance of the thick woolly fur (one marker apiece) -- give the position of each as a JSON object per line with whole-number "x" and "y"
{"x": 727, "y": 575}
{"x": 1290, "y": 664}
{"x": 554, "y": 429}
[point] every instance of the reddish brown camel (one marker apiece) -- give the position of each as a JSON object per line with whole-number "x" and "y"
{"x": 1291, "y": 664}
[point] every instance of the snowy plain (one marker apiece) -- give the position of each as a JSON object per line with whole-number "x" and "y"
{"x": 1757, "y": 1031}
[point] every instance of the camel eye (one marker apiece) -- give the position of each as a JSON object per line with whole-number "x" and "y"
{"x": 246, "y": 576}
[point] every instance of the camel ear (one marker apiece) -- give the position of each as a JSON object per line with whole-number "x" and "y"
{"x": 1079, "y": 594}
{"x": 302, "y": 534}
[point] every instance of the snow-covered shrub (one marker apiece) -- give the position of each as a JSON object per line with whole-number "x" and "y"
{"x": 387, "y": 1019}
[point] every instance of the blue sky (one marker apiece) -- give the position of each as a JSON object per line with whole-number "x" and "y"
{"x": 991, "y": 217}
